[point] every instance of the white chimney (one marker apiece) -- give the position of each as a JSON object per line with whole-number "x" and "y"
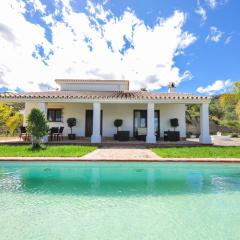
{"x": 171, "y": 87}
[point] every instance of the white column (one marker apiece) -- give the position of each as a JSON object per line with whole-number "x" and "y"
{"x": 183, "y": 127}
{"x": 42, "y": 106}
{"x": 26, "y": 112}
{"x": 96, "y": 136}
{"x": 205, "y": 137}
{"x": 151, "y": 138}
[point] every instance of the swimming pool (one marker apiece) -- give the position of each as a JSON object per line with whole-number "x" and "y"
{"x": 119, "y": 201}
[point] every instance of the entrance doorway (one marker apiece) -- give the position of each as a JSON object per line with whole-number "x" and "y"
{"x": 89, "y": 123}
{"x": 140, "y": 121}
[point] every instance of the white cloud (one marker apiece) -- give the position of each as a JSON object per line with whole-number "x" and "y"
{"x": 202, "y": 13}
{"x": 215, "y": 35}
{"x": 82, "y": 49}
{"x": 228, "y": 39}
{"x": 211, "y": 3}
{"x": 6, "y": 33}
{"x": 219, "y": 86}
{"x": 214, "y": 3}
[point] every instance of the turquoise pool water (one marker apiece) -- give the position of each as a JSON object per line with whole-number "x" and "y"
{"x": 113, "y": 201}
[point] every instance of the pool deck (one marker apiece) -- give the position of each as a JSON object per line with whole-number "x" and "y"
{"x": 121, "y": 154}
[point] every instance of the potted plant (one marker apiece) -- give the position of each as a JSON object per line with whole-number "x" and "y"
{"x": 174, "y": 123}
{"x": 117, "y": 123}
{"x": 173, "y": 135}
{"x": 71, "y": 123}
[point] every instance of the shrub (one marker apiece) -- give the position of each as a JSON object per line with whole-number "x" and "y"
{"x": 234, "y": 135}
{"x": 118, "y": 123}
{"x": 174, "y": 123}
{"x": 71, "y": 123}
{"x": 36, "y": 127}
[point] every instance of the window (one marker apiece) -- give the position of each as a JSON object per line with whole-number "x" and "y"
{"x": 140, "y": 120}
{"x": 54, "y": 115}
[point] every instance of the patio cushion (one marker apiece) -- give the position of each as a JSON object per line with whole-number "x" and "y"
{"x": 142, "y": 131}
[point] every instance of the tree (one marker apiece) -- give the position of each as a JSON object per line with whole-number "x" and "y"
{"x": 228, "y": 102}
{"x": 14, "y": 122}
{"x": 228, "y": 98}
{"x": 215, "y": 110}
{"x": 236, "y": 87}
{"x": 238, "y": 110}
{"x": 10, "y": 118}
{"x": 5, "y": 113}
{"x": 36, "y": 127}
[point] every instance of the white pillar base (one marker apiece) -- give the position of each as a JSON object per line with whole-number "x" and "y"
{"x": 205, "y": 139}
{"x": 150, "y": 139}
{"x": 96, "y": 139}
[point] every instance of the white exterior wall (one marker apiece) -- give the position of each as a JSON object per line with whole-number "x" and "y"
{"x": 27, "y": 110}
{"x": 93, "y": 87}
{"x": 70, "y": 110}
{"x": 125, "y": 112}
{"x": 168, "y": 111}
{"x": 112, "y": 111}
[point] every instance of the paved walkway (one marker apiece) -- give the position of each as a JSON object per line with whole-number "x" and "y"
{"x": 122, "y": 153}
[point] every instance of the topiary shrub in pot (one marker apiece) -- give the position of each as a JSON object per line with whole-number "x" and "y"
{"x": 174, "y": 123}
{"x": 117, "y": 123}
{"x": 71, "y": 123}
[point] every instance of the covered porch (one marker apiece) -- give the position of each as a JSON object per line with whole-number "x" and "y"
{"x": 95, "y": 122}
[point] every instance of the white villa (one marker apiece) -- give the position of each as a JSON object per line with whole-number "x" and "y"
{"x": 96, "y": 104}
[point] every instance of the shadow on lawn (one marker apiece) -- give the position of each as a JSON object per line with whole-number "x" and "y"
{"x": 37, "y": 149}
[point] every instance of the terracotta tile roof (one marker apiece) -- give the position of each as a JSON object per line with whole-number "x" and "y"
{"x": 115, "y": 95}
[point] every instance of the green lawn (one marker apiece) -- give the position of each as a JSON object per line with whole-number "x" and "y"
{"x": 47, "y": 151}
{"x": 198, "y": 152}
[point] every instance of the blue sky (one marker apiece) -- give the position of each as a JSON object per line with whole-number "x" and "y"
{"x": 194, "y": 43}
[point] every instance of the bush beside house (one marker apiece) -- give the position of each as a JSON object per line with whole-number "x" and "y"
{"x": 37, "y": 127}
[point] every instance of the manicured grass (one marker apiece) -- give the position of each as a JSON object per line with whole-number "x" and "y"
{"x": 46, "y": 151}
{"x": 198, "y": 152}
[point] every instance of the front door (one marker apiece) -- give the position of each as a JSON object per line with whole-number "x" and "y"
{"x": 89, "y": 123}
{"x": 140, "y": 121}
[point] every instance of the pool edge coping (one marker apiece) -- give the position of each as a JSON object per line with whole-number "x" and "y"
{"x": 84, "y": 159}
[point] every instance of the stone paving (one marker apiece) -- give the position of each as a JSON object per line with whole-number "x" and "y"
{"x": 122, "y": 153}
{"x": 220, "y": 142}
{"x": 230, "y": 142}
